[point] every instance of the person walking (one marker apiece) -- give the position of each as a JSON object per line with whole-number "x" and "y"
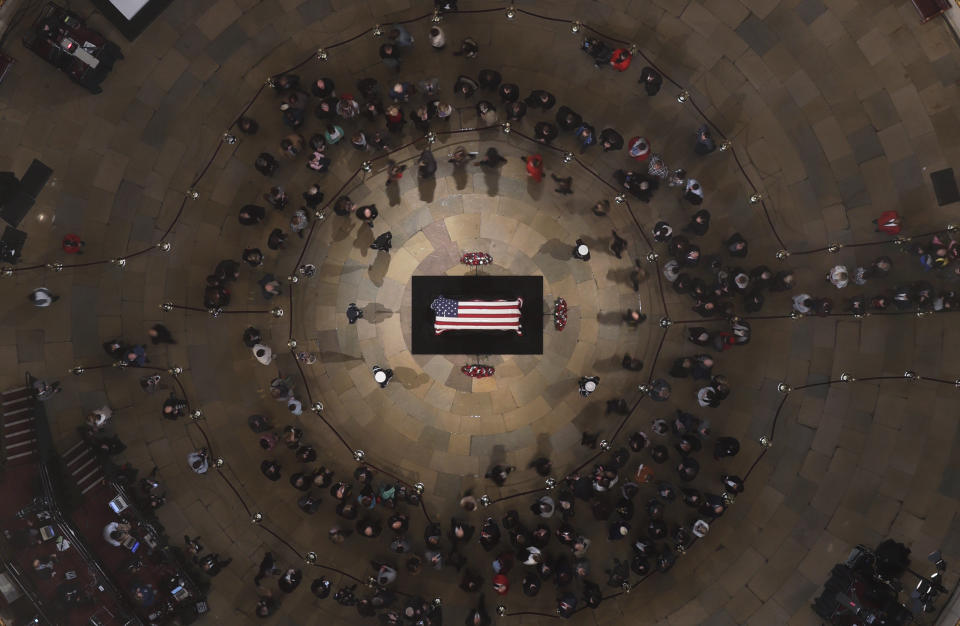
{"x": 159, "y": 333}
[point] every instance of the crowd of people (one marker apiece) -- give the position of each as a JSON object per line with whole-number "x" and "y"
{"x": 522, "y": 547}
{"x": 649, "y": 495}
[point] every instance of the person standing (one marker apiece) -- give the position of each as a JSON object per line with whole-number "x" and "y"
{"x": 160, "y": 334}
{"x": 354, "y": 313}
{"x": 705, "y": 143}
{"x": 889, "y": 222}
{"x": 42, "y": 297}
{"x": 581, "y": 251}
{"x": 651, "y": 80}
{"x": 72, "y": 244}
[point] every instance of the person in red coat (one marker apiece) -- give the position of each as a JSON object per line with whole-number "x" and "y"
{"x": 535, "y": 167}
{"x": 620, "y": 59}
{"x": 72, "y": 244}
{"x": 888, "y": 222}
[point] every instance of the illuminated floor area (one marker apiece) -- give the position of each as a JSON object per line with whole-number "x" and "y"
{"x": 838, "y": 110}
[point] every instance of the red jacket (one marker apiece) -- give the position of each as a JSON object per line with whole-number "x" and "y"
{"x": 889, "y": 222}
{"x": 535, "y": 167}
{"x": 620, "y": 59}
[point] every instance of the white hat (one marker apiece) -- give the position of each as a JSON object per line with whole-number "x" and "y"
{"x": 583, "y": 250}
{"x": 590, "y": 385}
{"x": 380, "y": 376}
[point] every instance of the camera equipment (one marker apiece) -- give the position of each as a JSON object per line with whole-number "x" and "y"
{"x": 867, "y": 584}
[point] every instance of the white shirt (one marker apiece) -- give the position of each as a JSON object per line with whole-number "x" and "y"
{"x": 798, "y": 304}
{"x": 266, "y": 357}
{"x": 440, "y": 40}
{"x": 103, "y": 415}
{"x": 702, "y": 395}
{"x": 109, "y": 528}
{"x": 839, "y": 277}
{"x": 671, "y": 269}
{"x": 193, "y": 457}
{"x": 689, "y": 187}
{"x": 41, "y": 297}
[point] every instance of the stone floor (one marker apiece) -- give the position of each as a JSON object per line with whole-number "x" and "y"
{"x": 838, "y": 109}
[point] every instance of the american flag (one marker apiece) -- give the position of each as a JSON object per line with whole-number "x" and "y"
{"x": 476, "y": 314}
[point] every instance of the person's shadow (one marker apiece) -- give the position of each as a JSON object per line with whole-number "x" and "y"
{"x": 393, "y": 193}
{"x": 610, "y": 318}
{"x": 364, "y": 239}
{"x": 379, "y": 268}
{"x": 560, "y": 250}
{"x": 491, "y": 178}
{"x": 534, "y": 189}
{"x": 374, "y": 313}
{"x": 342, "y": 229}
{"x": 427, "y": 187}
{"x": 460, "y": 177}
{"x": 409, "y": 378}
{"x": 610, "y": 364}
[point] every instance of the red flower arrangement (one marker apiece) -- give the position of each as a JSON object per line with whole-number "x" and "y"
{"x": 560, "y": 314}
{"x": 476, "y": 258}
{"x": 478, "y": 371}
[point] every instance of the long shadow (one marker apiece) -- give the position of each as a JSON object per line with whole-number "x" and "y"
{"x": 610, "y": 318}
{"x": 363, "y": 240}
{"x": 560, "y": 250}
{"x": 535, "y": 189}
{"x": 460, "y": 177}
{"x": 427, "y": 187}
{"x": 620, "y": 276}
{"x": 491, "y": 178}
{"x": 393, "y": 193}
{"x": 379, "y": 268}
{"x": 374, "y": 313}
{"x": 336, "y": 357}
{"x": 610, "y": 364}
{"x": 409, "y": 377}
{"x": 342, "y": 228}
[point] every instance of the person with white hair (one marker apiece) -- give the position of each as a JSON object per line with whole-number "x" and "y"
{"x": 838, "y": 276}
{"x": 263, "y": 354}
{"x": 588, "y": 384}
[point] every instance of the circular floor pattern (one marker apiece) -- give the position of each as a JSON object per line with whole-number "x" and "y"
{"x": 457, "y": 420}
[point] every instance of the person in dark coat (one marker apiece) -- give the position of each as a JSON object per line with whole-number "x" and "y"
{"x": 705, "y": 143}
{"x": 367, "y": 214}
{"x": 610, "y": 140}
{"x": 540, "y": 99}
{"x": 383, "y": 242}
{"x": 489, "y": 79}
{"x": 427, "y": 164}
{"x": 252, "y": 214}
{"x": 270, "y": 469}
{"x": 160, "y": 334}
{"x": 266, "y": 164}
{"x": 465, "y": 86}
{"x": 699, "y": 223}
{"x": 545, "y": 132}
{"x": 509, "y": 92}
{"x": 736, "y": 245}
{"x": 568, "y": 119}
{"x": 726, "y": 446}
{"x": 651, "y": 80}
